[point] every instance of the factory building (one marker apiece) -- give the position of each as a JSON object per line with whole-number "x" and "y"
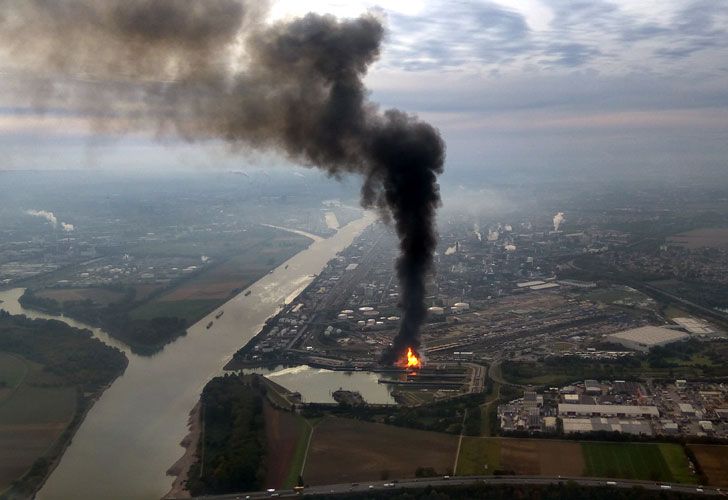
{"x": 636, "y": 427}
{"x": 569, "y": 409}
{"x": 646, "y": 337}
{"x": 695, "y": 326}
{"x": 592, "y": 387}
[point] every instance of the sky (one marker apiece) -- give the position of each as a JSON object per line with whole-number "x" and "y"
{"x": 577, "y": 87}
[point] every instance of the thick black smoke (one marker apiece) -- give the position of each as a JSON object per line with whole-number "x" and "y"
{"x": 212, "y": 69}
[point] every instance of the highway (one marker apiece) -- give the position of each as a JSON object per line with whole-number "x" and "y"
{"x": 372, "y": 486}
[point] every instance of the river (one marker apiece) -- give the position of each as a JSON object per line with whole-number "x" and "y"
{"x": 132, "y": 434}
{"x": 316, "y": 385}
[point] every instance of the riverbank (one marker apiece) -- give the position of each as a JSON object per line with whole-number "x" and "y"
{"x": 181, "y": 468}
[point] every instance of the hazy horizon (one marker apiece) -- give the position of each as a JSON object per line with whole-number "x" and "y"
{"x": 583, "y": 88}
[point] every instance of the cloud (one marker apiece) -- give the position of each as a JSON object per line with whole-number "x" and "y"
{"x": 572, "y": 54}
{"x": 454, "y": 34}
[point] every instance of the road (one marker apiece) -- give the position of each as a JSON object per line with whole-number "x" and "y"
{"x": 339, "y": 489}
{"x": 494, "y": 372}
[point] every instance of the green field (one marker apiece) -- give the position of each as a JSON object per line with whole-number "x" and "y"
{"x": 650, "y": 461}
{"x": 678, "y": 463}
{"x": 645, "y": 461}
{"x": 38, "y": 405}
{"x": 191, "y": 310}
{"x": 32, "y": 395}
{"x": 35, "y": 408}
{"x": 13, "y": 369}
{"x": 304, "y": 430}
{"x": 475, "y": 453}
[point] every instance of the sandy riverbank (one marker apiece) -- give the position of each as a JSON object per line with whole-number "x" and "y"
{"x": 181, "y": 467}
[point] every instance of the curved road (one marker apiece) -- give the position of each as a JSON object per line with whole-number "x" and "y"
{"x": 494, "y": 372}
{"x": 338, "y": 489}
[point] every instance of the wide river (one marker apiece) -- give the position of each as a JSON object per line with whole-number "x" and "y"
{"x": 132, "y": 434}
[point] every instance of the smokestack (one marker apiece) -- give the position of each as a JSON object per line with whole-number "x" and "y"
{"x": 215, "y": 70}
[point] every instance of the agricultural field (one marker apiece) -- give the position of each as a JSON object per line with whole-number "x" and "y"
{"x": 189, "y": 310}
{"x": 648, "y": 461}
{"x": 35, "y": 409}
{"x": 479, "y": 456}
{"x": 713, "y": 459}
{"x": 537, "y": 457}
{"x": 201, "y": 293}
{"x": 13, "y": 369}
{"x": 520, "y": 456}
{"x": 346, "y": 450}
{"x": 716, "y": 237}
{"x": 100, "y": 296}
{"x": 287, "y": 436}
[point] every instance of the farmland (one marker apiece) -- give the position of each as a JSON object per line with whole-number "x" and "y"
{"x": 100, "y": 296}
{"x": 50, "y": 374}
{"x": 149, "y": 297}
{"x": 713, "y": 459}
{"x": 196, "y": 296}
{"x": 31, "y": 417}
{"x": 287, "y": 437}
{"x": 479, "y": 456}
{"x": 344, "y": 450}
{"x": 520, "y": 456}
{"x": 649, "y": 461}
{"x": 657, "y": 462}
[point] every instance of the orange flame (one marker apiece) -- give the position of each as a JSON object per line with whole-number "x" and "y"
{"x": 412, "y": 360}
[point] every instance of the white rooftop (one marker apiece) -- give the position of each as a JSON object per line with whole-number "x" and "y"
{"x": 694, "y": 325}
{"x": 544, "y": 286}
{"x": 649, "y": 335}
{"x": 529, "y": 283}
{"x": 579, "y": 409}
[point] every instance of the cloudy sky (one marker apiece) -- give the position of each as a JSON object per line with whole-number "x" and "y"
{"x": 586, "y": 86}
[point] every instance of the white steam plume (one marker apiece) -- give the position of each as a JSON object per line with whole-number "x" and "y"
{"x": 558, "y": 219}
{"x": 49, "y": 216}
{"x": 67, "y": 227}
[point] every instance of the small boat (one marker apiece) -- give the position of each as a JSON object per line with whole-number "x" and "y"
{"x": 247, "y": 293}
{"x": 209, "y": 325}
{"x": 217, "y": 316}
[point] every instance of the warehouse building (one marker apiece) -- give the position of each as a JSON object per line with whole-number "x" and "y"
{"x": 596, "y": 424}
{"x": 646, "y": 337}
{"x": 568, "y": 409}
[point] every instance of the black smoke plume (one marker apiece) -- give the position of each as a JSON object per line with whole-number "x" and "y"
{"x": 213, "y": 69}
